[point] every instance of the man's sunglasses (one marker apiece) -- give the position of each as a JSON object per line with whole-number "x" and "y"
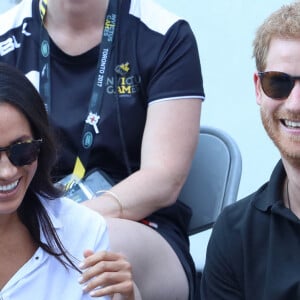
{"x": 277, "y": 85}
{"x": 23, "y": 153}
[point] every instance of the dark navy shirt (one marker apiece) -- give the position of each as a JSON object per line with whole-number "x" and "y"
{"x": 254, "y": 250}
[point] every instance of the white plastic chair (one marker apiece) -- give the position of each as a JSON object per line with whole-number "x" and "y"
{"x": 212, "y": 184}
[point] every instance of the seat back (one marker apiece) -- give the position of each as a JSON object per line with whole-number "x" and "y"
{"x": 214, "y": 177}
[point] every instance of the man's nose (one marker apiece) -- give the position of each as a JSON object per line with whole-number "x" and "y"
{"x": 293, "y": 101}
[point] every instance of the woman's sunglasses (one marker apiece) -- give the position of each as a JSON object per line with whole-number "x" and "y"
{"x": 23, "y": 153}
{"x": 277, "y": 85}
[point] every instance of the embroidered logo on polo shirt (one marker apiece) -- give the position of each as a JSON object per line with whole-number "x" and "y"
{"x": 127, "y": 84}
{"x": 122, "y": 69}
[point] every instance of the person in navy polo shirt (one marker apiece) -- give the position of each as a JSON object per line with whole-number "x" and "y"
{"x": 254, "y": 249}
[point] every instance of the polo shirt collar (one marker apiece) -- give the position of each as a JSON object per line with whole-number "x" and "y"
{"x": 270, "y": 194}
{"x": 270, "y": 197}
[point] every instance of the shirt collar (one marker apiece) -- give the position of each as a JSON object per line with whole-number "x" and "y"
{"x": 271, "y": 193}
{"x": 50, "y": 206}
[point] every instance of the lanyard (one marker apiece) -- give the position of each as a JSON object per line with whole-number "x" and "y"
{"x": 92, "y": 119}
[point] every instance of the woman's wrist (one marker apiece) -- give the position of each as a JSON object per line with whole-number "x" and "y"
{"x": 111, "y": 195}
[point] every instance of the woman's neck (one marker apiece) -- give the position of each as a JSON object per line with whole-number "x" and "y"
{"x": 16, "y": 247}
{"x": 75, "y": 25}
{"x": 8, "y": 222}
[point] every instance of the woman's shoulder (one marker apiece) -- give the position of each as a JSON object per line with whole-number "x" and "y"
{"x": 78, "y": 227}
{"x": 64, "y": 212}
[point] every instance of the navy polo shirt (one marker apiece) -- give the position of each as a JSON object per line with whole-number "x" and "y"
{"x": 254, "y": 250}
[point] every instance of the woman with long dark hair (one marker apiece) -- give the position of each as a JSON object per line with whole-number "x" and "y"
{"x": 44, "y": 237}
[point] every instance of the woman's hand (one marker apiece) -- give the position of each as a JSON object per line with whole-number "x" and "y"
{"x": 107, "y": 273}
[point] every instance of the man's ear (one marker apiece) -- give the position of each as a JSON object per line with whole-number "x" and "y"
{"x": 258, "y": 89}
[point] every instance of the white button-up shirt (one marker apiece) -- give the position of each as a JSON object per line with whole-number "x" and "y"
{"x": 43, "y": 277}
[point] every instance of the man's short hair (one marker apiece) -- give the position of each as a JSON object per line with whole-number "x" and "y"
{"x": 284, "y": 24}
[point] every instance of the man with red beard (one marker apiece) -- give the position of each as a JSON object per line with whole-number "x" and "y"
{"x": 254, "y": 251}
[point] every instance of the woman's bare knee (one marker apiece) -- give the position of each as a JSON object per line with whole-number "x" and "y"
{"x": 156, "y": 268}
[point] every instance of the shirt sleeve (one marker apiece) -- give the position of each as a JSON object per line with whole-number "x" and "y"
{"x": 102, "y": 239}
{"x": 219, "y": 279}
{"x": 177, "y": 73}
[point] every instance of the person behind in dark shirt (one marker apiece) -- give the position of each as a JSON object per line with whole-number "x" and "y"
{"x": 254, "y": 249}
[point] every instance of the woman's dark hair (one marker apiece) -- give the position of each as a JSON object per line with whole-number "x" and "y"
{"x": 18, "y": 91}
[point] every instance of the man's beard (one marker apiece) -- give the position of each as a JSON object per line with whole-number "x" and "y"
{"x": 289, "y": 146}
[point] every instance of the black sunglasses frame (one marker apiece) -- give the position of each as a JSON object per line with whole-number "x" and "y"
{"x": 28, "y": 158}
{"x": 284, "y": 81}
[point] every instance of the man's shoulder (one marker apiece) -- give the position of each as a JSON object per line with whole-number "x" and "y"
{"x": 241, "y": 206}
{"x": 244, "y": 212}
